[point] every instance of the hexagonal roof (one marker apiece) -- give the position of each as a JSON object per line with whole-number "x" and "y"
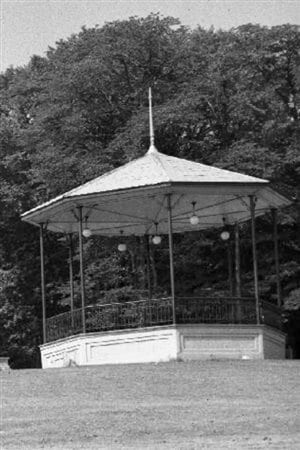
{"x": 132, "y": 197}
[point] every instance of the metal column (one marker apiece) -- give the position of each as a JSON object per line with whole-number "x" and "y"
{"x": 172, "y": 278}
{"x": 71, "y": 278}
{"x": 82, "y": 284}
{"x": 237, "y": 271}
{"x": 229, "y": 260}
{"x": 147, "y": 245}
{"x": 276, "y": 254}
{"x": 237, "y": 260}
{"x": 255, "y": 271}
{"x": 43, "y": 289}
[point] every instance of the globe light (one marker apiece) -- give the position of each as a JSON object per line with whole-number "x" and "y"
{"x": 194, "y": 220}
{"x": 87, "y": 233}
{"x": 122, "y": 247}
{"x": 156, "y": 239}
{"x": 225, "y": 235}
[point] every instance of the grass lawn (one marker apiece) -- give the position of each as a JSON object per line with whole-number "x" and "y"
{"x": 192, "y": 405}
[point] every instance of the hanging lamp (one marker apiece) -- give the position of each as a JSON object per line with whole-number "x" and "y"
{"x": 225, "y": 235}
{"x": 122, "y": 247}
{"x": 156, "y": 238}
{"x": 87, "y": 232}
{"x": 194, "y": 219}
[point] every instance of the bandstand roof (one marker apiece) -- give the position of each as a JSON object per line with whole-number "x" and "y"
{"x": 133, "y": 197}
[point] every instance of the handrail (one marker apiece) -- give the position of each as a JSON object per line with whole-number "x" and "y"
{"x": 110, "y": 304}
{"x": 158, "y": 311}
{"x": 217, "y": 298}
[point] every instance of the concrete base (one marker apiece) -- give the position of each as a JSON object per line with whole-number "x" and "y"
{"x": 230, "y": 341}
{"x": 165, "y": 343}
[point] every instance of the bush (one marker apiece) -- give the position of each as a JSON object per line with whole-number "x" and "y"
{"x": 23, "y": 357}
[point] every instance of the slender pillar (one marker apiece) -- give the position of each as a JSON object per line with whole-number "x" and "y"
{"x": 276, "y": 254}
{"x": 153, "y": 268}
{"x": 237, "y": 260}
{"x": 82, "y": 285}
{"x": 43, "y": 289}
{"x": 237, "y": 272}
{"x": 172, "y": 278}
{"x": 71, "y": 278}
{"x": 148, "y": 266}
{"x": 255, "y": 271}
{"x": 229, "y": 258}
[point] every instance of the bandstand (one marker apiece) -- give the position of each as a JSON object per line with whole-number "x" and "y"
{"x": 151, "y": 196}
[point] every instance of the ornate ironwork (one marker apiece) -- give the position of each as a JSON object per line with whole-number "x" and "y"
{"x": 112, "y": 316}
{"x": 271, "y": 315}
{"x": 223, "y": 310}
{"x": 64, "y": 325}
{"x": 146, "y": 313}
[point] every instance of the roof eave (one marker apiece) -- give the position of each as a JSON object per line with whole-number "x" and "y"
{"x": 32, "y": 216}
{"x": 27, "y": 216}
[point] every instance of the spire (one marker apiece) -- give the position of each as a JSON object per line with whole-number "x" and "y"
{"x": 152, "y": 148}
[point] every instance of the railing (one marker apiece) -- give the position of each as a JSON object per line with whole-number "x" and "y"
{"x": 225, "y": 310}
{"x": 64, "y": 325}
{"x": 145, "y": 313}
{"x": 135, "y": 314}
{"x": 112, "y": 316}
{"x": 271, "y": 315}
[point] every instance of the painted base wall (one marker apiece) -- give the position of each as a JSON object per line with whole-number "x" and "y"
{"x": 146, "y": 345}
{"x": 166, "y": 343}
{"x": 230, "y": 341}
{"x": 210, "y": 342}
{"x": 274, "y": 344}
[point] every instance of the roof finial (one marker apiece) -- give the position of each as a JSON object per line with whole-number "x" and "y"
{"x": 152, "y": 145}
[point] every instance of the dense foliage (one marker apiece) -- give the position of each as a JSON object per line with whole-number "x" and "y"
{"x": 226, "y": 98}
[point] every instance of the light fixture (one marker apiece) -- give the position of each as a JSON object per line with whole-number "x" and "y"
{"x": 194, "y": 219}
{"x": 87, "y": 232}
{"x": 225, "y": 235}
{"x": 156, "y": 238}
{"x": 122, "y": 247}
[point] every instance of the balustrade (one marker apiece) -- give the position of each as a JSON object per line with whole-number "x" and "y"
{"x": 223, "y": 310}
{"x": 145, "y": 313}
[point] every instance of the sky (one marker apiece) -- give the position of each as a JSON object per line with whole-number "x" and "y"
{"x": 29, "y": 27}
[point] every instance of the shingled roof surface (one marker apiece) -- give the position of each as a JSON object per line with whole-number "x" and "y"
{"x": 156, "y": 168}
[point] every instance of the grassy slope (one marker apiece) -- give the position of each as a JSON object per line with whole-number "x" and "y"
{"x": 211, "y": 404}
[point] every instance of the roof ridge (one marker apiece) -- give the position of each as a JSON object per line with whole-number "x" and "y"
{"x": 220, "y": 169}
{"x": 104, "y": 175}
{"x": 156, "y": 157}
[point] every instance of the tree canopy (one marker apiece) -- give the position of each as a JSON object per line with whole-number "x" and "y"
{"x": 225, "y": 98}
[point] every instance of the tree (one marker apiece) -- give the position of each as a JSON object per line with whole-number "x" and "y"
{"x": 225, "y": 98}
